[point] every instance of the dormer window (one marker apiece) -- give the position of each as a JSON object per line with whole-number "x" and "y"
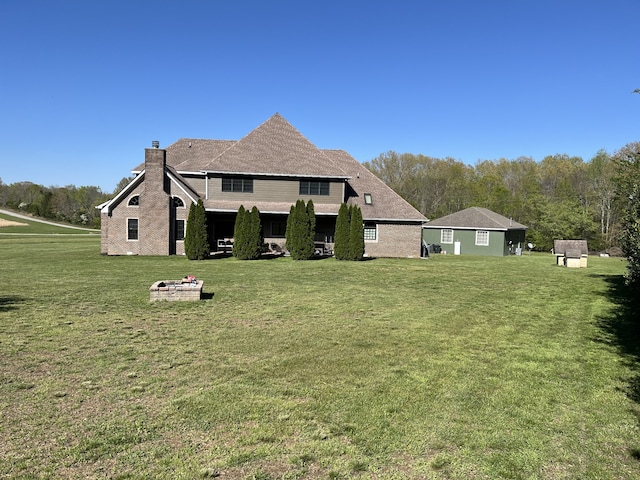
{"x": 134, "y": 201}
{"x": 368, "y": 200}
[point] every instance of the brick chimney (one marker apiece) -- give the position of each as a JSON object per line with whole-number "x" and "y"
{"x": 155, "y": 160}
{"x": 154, "y": 204}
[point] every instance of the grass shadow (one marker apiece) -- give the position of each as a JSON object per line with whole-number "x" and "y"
{"x": 621, "y": 329}
{"x": 9, "y": 302}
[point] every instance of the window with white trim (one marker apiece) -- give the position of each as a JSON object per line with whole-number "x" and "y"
{"x": 177, "y": 202}
{"x": 482, "y": 238}
{"x": 446, "y": 235}
{"x": 370, "y": 232}
{"x": 134, "y": 201}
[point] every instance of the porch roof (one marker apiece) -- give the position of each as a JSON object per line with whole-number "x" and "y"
{"x": 282, "y": 208}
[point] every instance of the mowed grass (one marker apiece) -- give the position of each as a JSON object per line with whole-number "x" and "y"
{"x": 21, "y": 226}
{"x": 446, "y": 368}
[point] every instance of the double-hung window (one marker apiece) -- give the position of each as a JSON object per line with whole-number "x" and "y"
{"x": 179, "y": 230}
{"x": 237, "y": 184}
{"x": 132, "y": 229}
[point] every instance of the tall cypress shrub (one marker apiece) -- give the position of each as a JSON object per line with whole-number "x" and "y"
{"x": 309, "y": 234}
{"x": 289, "y": 240}
{"x": 247, "y": 234}
{"x": 341, "y": 238}
{"x": 196, "y": 243}
{"x": 202, "y": 237}
{"x": 189, "y": 234}
{"x": 299, "y": 236}
{"x": 256, "y": 239}
{"x": 356, "y": 235}
{"x": 240, "y": 234}
{"x": 294, "y": 230}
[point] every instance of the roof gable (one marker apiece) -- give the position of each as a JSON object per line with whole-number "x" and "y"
{"x": 275, "y": 148}
{"x": 476, "y": 218}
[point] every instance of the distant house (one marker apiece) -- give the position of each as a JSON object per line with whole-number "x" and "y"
{"x": 271, "y": 168}
{"x": 475, "y": 231}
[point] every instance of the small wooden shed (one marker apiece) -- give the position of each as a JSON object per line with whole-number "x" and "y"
{"x": 571, "y": 253}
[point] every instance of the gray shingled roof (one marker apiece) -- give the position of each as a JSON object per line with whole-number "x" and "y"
{"x": 277, "y": 148}
{"x": 266, "y": 207}
{"x": 386, "y": 203}
{"x": 570, "y": 247}
{"x": 476, "y": 218}
{"x": 191, "y": 154}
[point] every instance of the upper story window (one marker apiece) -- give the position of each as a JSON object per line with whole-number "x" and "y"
{"x": 311, "y": 187}
{"x": 446, "y": 235}
{"x": 237, "y": 184}
{"x": 177, "y": 202}
{"x": 134, "y": 201}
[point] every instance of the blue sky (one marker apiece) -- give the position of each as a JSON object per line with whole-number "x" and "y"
{"x": 85, "y": 85}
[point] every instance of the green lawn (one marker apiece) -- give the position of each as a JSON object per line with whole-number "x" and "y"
{"x": 38, "y": 227}
{"x": 446, "y": 368}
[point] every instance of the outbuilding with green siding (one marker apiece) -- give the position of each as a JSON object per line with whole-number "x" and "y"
{"x": 475, "y": 231}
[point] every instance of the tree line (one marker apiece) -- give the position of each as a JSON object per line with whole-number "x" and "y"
{"x": 559, "y": 197}
{"x": 70, "y": 204}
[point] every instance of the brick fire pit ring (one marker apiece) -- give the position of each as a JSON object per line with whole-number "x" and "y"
{"x": 176, "y": 290}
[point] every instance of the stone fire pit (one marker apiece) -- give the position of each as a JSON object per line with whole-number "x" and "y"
{"x": 176, "y": 290}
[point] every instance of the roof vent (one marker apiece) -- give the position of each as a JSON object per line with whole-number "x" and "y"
{"x": 155, "y": 144}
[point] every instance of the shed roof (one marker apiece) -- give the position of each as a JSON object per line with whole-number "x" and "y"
{"x": 564, "y": 247}
{"x": 474, "y": 218}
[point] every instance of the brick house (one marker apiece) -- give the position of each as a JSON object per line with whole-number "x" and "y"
{"x": 270, "y": 168}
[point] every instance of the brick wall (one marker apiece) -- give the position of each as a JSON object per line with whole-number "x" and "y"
{"x": 395, "y": 241}
{"x": 114, "y": 228}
